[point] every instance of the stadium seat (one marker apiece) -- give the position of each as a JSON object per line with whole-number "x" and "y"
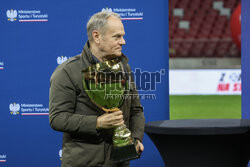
{"x": 208, "y": 33}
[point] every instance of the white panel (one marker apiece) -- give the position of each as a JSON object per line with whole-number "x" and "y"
{"x": 205, "y": 82}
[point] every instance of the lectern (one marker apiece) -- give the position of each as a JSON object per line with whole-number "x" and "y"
{"x": 202, "y": 142}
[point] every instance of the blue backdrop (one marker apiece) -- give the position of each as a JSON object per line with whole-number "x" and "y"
{"x": 245, "y": 59}
{"x": 36, "y": 36}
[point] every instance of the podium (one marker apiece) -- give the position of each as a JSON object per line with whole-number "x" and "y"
{"x": 202, "y": 142}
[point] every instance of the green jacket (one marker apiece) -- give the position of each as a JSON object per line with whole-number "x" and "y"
{"x": 71, "y": 112}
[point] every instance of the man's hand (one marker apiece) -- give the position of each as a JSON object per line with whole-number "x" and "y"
{"x": 110, "y": 120}
{"x": 139, "y": 146}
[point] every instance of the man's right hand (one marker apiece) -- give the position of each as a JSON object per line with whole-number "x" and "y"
{"x": 110, "y": 120}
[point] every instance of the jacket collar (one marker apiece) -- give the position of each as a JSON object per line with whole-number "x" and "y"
{"x": 86, "y": 53}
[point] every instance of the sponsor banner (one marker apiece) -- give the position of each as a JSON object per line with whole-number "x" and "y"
{"x": 1, "y": 65}
{"x": 205, "y": 82}
{"x": 3, "y": 158}
{"x": 126, "y": 13}
{"x": 21, "y": 15}
{"x": 28, "y": 109}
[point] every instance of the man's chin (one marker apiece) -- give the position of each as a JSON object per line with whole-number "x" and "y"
{"x": 118, "y": 54}
{"x": 108, "y": 57}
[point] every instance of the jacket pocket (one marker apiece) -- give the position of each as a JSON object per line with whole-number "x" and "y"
{"x": 87, "y": 155}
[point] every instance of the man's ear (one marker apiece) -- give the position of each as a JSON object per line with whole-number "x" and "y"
{"x": 96, "y": 36}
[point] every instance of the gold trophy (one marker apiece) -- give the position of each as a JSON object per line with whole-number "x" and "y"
{"x": 106, "y": 84}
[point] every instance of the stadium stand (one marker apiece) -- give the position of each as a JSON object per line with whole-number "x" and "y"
{"x": 201, "y": 28}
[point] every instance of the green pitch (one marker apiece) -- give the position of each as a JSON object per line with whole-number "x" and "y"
{"x": 205, "y": 106}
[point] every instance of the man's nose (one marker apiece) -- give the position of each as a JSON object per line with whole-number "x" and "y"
{"x": 122, "y": 41}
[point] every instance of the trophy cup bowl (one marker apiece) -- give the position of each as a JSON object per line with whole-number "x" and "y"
{"x": 106, "y": 83}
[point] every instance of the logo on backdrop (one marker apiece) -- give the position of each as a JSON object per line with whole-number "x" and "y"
{"x": 62, "y": 59}
{"x": 28, "y": 109}
{"x": 1, "y": 65}
{"x": 11, "y": 14}
{"x": 14, "y": 108}
{"x": 60, "y": 154}
{"x": 107, "y": 9}
{"x": 26, "y": 15}
{"x": 3, "y": 158}
{"x": 126, "y": 13}
{"x": 229, "y": 82}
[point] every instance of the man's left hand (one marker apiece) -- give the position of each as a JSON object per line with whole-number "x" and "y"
{"x": 139, "y": 146}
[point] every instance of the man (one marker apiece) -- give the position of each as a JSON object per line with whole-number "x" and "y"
{"x": 87, "y": 138}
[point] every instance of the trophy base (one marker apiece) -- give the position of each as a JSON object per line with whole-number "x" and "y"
{"x": 125, "y": 153}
